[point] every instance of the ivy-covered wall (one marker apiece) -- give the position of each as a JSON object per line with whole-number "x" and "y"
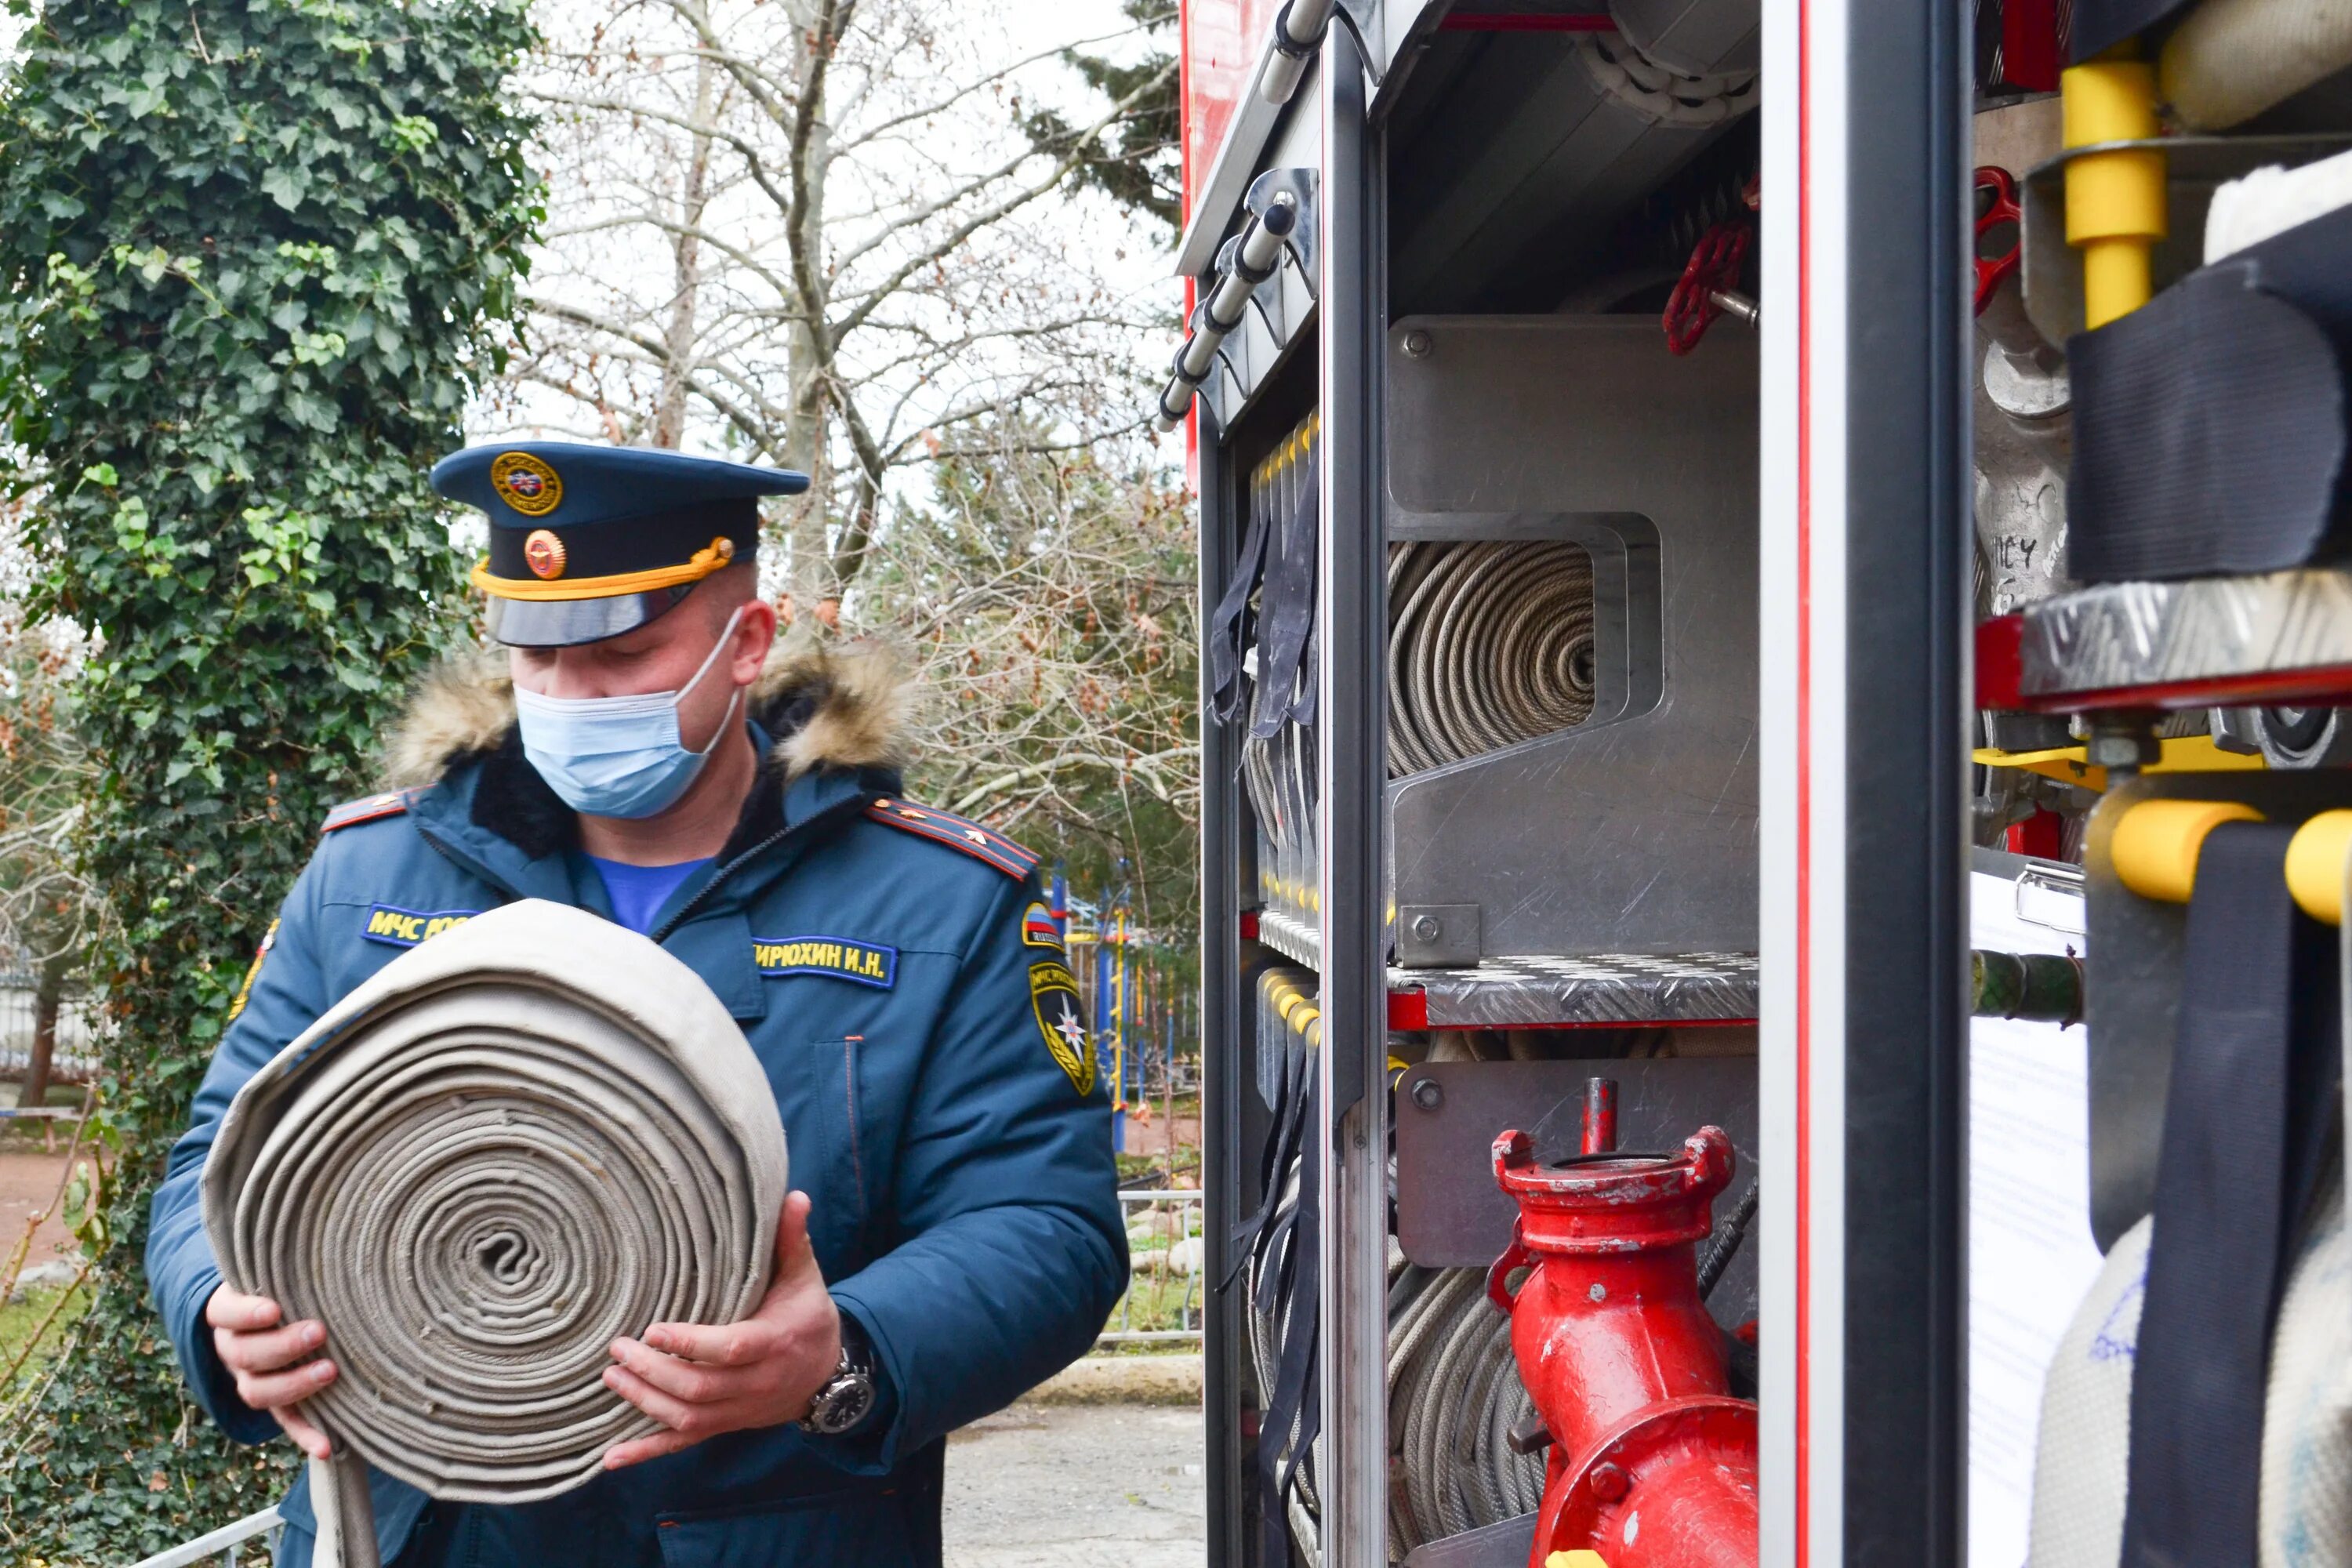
{"x": 251, "y": 256}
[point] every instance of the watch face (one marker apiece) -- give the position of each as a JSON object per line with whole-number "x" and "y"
{"x": 842, "y": 1402}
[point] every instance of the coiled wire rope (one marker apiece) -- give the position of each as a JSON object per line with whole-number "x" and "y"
{"x": 1490, "y": 643}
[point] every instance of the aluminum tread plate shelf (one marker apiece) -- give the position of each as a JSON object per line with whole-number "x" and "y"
{"x": 1536, "y": 991}
{"x": 1591, "y": 991}
{"x": 2278, "y": 636}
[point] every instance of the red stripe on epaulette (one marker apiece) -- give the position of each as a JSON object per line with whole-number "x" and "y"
{"x": 956, "y": 832}
{"x": 353, "y": 812}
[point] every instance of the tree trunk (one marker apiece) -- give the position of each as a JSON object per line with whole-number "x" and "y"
{"x": 815, "y": 589}
{"x": 686, "y": 251}
{"x": 47, "y": 996}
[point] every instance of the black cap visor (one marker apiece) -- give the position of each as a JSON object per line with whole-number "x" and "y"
{"x": 567, "y": 623}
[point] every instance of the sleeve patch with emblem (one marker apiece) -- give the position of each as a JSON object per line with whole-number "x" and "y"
{"x": 1038, "y": 927}
{"x": 866, "y": 962}
{"x": 253, "y": 971}
{"x": 407, "y": 928}
{"x": 1054, "y": 999}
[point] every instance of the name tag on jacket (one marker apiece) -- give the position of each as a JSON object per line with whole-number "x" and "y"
{"x": 866, "y": 962}
{"x": 407, "y": 928}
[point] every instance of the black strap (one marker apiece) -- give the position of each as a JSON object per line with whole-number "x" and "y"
{"x": 2246, "y": 1122}
{"x": 1287, "y": 613}
{"x": 2210, "y": 429}
{"x": 2099, "y": 26}
{"x": 1290, "y": 1112}
{"x": 1228, "y": 623}
{"x": 1297, "y": 1395}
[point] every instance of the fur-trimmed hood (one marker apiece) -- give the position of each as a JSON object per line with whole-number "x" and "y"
{"x": 842, "y": 706}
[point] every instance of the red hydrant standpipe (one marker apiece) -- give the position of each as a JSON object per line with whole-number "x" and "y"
{"x": 1652, "y": 1463}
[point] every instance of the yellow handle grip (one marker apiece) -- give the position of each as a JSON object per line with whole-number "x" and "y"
{"x": 2156, "y": 844}
{"x": 2115, "y": 201}
{"x": 2314, "y": 865}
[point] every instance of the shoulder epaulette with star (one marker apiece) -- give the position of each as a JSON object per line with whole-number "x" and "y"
{"x": 958, "y": 833}
{"x": 367, "y": 808}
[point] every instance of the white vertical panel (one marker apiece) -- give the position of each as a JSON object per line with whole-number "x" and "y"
{"x": 1802, "y": 626}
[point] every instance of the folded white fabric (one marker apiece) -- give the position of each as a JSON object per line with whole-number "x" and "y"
{"x": 530, "y": 1133}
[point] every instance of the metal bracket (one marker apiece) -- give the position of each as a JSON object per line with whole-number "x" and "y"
{"x": 1305, "y": 239}
{"x": 1364, "y": 19}
{"x": 1437, "y": 936}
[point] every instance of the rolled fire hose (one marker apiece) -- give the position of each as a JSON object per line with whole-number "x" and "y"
{"x": 1490, "y": 644}
{"x": 1454, "y": 1396}
{"x": 533, "y": 1133}
{"x": 2230, "y": 60}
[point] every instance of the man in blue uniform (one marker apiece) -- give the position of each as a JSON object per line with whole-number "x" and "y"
{"x": 644, "y": 751}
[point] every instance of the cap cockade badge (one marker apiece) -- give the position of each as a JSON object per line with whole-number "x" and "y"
{"x": 543, "y": 553}
{"x": 526, "y": 484}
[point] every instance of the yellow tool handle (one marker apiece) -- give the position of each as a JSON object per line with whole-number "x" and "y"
{"x": 2314, "y": 865}
{"x": 2155, "y": 845}
{"x": 2115, "y": 201}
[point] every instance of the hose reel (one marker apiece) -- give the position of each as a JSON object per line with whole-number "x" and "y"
{"x": 1490, "y": 643}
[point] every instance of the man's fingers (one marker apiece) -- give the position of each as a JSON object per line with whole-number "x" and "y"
{"x": 688, "y": 1380}
{"x": 230, "y": 1309}
{"x": 272, "y": 1390}
{"x": 267, "y": 1350}
{"x": 307, "y": 1438}
{"x": 724, "y": 1344}
{"x": 694, "y": 1420}
{"x": 794, "y": 1256}
{"x": 643, "y": 1448}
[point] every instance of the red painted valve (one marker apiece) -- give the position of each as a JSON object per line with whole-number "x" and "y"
{"x": 1652, "y": 1462}
{"x": 2000, "y": 213}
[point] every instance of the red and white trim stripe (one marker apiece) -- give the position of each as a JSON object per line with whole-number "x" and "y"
{"x": 1803, "y": 713}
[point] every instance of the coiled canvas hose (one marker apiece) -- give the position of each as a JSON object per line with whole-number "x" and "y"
{"x": 1490, "y": 644}
{"x": 1455, "y": 1395}
{"x": 530, "y": 1133}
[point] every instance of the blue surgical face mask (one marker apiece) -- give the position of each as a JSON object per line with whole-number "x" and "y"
{"x": 618, "y": 756}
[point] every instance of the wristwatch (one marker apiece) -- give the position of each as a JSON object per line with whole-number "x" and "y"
{"x": 847, "y": 1396}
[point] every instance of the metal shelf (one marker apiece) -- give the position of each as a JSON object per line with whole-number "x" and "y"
{"x": 1538, "y": 991}
{"x": 2282, "y": 636}
{"x": 1614, "y": 990}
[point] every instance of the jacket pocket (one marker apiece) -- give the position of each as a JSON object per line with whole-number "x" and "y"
{"x": 828, "y": 1156}
{"x": 880, "y": 1528}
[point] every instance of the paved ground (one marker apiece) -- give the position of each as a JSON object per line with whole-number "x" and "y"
{"x": 28, "y": 1184}
{"x": 1062, "y": 1486}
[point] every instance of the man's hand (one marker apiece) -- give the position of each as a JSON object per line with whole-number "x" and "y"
{"x": 762, "y": 1372}
{"x": 267, "y": 1360}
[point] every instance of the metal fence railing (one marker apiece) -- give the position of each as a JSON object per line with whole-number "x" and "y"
{"x": 75, "y": 1056}
{"x": 1165, "y": 1259}
{"x": 221, "y": 1543}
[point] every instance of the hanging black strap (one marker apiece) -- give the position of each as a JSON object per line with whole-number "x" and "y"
{"x": 2246, "y": 1122}
{"x": 1287, "y": 613}
{"x": 1282, "y": 1140}
{"x": 1297, "y": 1396}
{"x": 1228, "y": 623}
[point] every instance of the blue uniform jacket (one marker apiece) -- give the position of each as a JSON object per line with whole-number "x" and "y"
{"x": 894, "y": 971}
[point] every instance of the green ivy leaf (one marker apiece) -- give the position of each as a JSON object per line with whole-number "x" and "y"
{"x": 226, "y": 407}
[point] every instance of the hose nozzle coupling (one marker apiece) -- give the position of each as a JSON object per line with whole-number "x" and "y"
{"x": 1615, "y": 1203}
